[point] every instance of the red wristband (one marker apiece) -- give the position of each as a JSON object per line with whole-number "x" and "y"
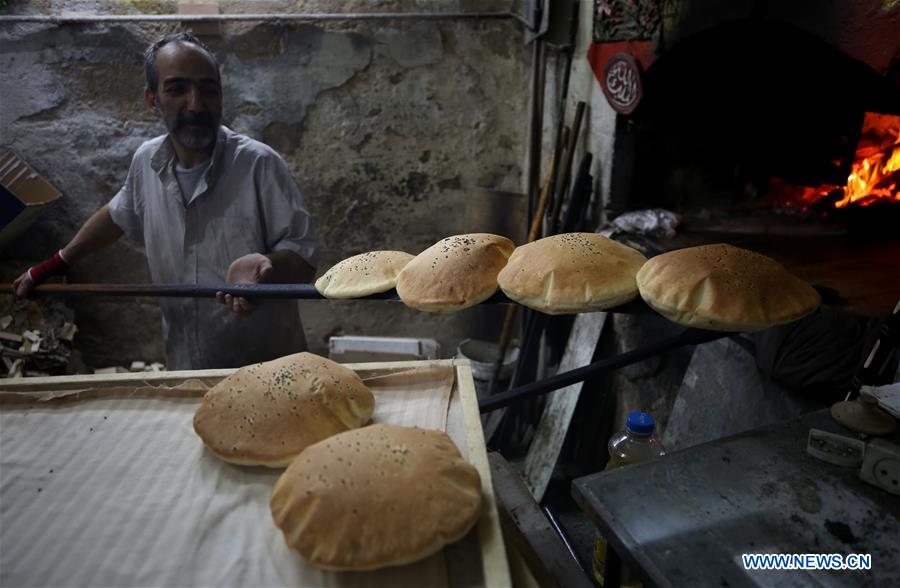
{"x": 54, "y": 266}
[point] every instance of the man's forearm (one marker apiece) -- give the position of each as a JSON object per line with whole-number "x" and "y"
{"x": 98, "y": 232}
{"x": 289, "y": 268}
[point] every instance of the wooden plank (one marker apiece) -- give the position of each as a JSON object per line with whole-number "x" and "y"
{"x": 107, "y": 380}
{"x": 518, "y": 568}
{"x": 496, "y": 568}
{"x": 554, "y": 423}
{"x": 14, "y": 337}
{"x": 530, "y": 533}
{"x": 174, "y": 378}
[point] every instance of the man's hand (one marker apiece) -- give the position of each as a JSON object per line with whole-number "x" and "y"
{"x": 24, "y": 285}
{"x": 254, "y": 268}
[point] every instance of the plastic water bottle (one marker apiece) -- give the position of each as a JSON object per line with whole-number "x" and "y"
{"x": 633, "y": 445}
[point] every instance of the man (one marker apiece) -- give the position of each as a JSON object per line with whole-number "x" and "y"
{"x": 209, "y": 206}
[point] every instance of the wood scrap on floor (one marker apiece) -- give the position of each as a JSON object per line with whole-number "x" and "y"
{"x": 134, "y": 367}
{"x": 36, "y": 337}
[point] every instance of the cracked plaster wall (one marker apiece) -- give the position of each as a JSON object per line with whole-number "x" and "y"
{"x": 399, "y": 132}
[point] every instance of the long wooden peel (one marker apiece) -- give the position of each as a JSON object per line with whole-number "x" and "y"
{"x": 533, "y": 233}
{"x": 258, "y": 291}
{"x": 562, "y": 186}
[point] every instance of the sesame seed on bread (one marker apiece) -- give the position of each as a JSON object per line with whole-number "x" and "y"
{"x": 454, "y": 273}
{"x": 363, "y": 274}
{"x": 721, "y": 287}
{"x": 384, "y": 495}
{"x": 267, "y": 413}
{"x": 571, "y": 273}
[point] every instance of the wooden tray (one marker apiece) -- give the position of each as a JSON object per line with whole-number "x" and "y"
{"x": 463, "y": 426}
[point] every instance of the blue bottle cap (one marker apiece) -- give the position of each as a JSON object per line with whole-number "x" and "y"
{"x": 640, "y": 423}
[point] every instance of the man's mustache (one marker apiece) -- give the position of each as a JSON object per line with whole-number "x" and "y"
{"x": 203, "y": 119}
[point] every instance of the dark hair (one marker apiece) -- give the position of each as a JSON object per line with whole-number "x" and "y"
{"x": 150, "y": 56}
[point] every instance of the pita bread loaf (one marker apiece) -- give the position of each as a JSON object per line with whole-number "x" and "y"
{"x": 454, "y": 273}
{"x": 724, "y": 288}
{"x": 363, "y": 274}
{"x": 267, "y": 413}
{"x": 379, "y": 496}
{"x": 571, "y": 272}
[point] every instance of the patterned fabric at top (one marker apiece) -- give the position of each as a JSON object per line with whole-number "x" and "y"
{"x": 247, "y": 202}
{"x": 627, "y": 20}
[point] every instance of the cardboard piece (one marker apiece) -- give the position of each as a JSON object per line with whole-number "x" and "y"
{"x": 24, "y": 194}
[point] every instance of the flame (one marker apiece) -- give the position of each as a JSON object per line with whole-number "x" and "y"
{"x": 873, "y": 176}
{"x": 864, "y": 185}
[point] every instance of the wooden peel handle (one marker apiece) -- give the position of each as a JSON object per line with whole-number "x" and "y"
{"x": 178, "y": 290}
{"x": 289, "y": 291}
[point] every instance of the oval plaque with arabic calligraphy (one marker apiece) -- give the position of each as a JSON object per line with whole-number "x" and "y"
{"x": 622, "y": 83}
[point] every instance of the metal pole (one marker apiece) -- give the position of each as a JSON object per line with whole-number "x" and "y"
{"x": 686, "y": 337}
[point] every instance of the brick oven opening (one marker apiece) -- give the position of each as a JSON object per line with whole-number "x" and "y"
{"x": 767, "y": 136}
{"x": 756, "y": 117}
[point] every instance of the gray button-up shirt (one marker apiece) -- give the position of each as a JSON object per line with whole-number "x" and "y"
{"x": 247, "y": 202}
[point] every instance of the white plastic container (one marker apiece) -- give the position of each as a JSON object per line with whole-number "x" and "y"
{"x": 483, "y": 355}
{"x": 358, "y": 349}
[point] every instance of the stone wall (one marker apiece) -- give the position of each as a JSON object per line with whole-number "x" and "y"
{"x": 400, "y": 133}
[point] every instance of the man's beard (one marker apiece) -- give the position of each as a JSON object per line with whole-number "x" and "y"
{"x": 195, "y": 132}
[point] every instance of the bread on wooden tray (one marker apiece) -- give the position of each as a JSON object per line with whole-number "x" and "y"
{"x": 267, "y": 413}
{"x": 383, "y": 495}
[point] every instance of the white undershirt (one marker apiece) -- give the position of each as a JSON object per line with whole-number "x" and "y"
{"x": 189, "y": 179}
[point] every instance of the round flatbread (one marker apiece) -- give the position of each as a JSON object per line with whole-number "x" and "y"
{"x": 454, "y": 273}
{"x": 267, "y": 413}
{"x": 379, "y": 496}
{"x": 363, "y": 274}
{"x": 724, "y": 288}
{"x": 570, "y": 273}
